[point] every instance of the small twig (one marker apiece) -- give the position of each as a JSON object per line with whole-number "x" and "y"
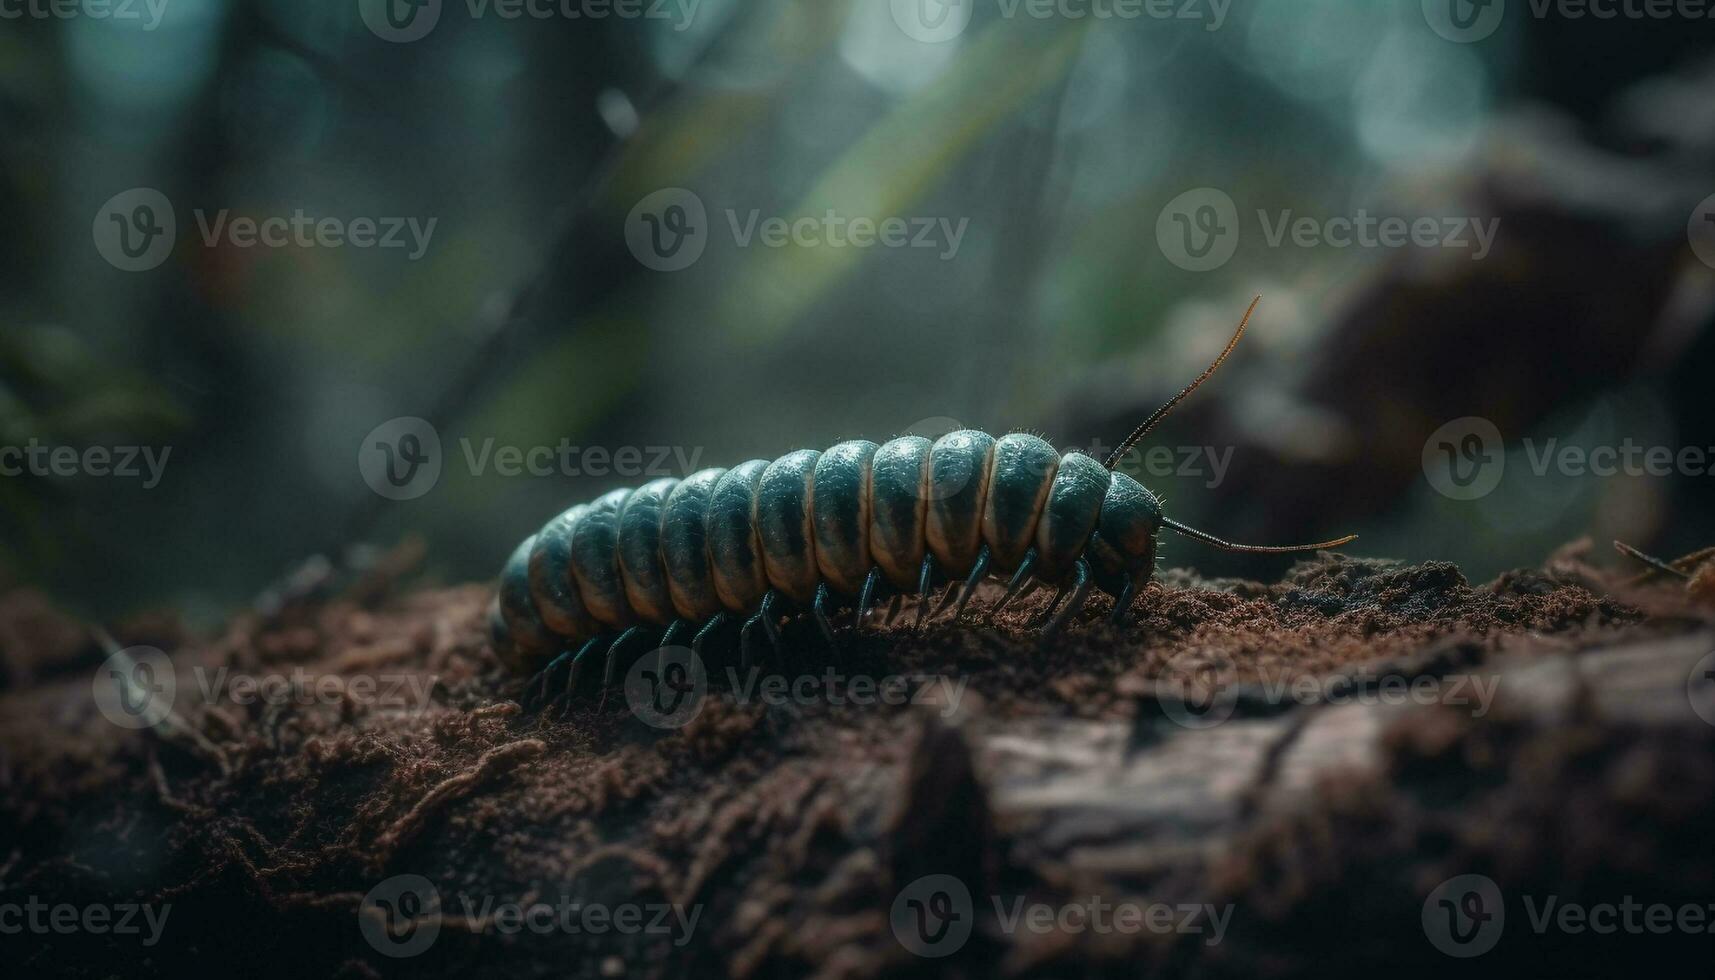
{"x": 492, "y": 763}
{"x": 1655, "y": 563}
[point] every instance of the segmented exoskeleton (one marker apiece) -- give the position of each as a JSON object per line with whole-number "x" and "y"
{"x": 810, "y": 526}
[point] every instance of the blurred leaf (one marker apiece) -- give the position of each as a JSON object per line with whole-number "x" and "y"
{"x": 896, "y": 163}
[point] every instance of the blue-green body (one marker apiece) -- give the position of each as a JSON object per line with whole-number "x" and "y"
{"x": 684, "y": 546}
{"x": 842, "y": 514}
{"x": 735, "y": 553}
{"x": 808, "y": 523}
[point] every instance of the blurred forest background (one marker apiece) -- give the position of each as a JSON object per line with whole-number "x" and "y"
{"x": 1059, "y": 140}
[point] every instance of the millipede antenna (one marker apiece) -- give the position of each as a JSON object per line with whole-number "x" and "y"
{"x": 1155, "y": 418}
{"x": 1253, "y": 549}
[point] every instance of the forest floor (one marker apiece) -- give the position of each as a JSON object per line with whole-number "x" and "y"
{"x": 1277, "y": 779}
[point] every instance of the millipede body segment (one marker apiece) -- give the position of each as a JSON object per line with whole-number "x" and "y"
{"x": 847, "y": 522}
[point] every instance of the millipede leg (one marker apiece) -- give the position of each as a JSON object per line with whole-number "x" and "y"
{"x": 1048, "y": 614}
{"x": 979, "y": 571}
{"x": 744, "y": 641}
{"x": 771, "y": 623}
{"x": 613, "y": 660}
{"x": 1080, "y": 594}
{"x": 1123, "y": 604}
{"x": 579, "y": 663}
{"x": 894, "y": 605}
{"x": 923, "y": 588}
{"x": 1019, "y": 579}
{"x": 821, "y": 611}
{"x": 708, "y": 630}
{"x": 866, "y": 597}
{"x": 678, "y": 626}
{"x": 674, "y": 628}
{"x": 544, "y": 677}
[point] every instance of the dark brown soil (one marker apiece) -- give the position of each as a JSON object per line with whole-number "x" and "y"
{"x": 792, "y": 828}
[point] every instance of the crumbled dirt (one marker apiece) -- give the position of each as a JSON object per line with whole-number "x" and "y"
{"x": 791, "y": 828}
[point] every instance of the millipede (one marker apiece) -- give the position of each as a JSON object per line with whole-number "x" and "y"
{"x": 811, "y": 528}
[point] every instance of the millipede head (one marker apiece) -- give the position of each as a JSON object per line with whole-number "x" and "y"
{"x": 1124, "y": 544}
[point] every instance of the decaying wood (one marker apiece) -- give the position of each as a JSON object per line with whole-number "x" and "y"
{"x": 1554, "y": 745}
